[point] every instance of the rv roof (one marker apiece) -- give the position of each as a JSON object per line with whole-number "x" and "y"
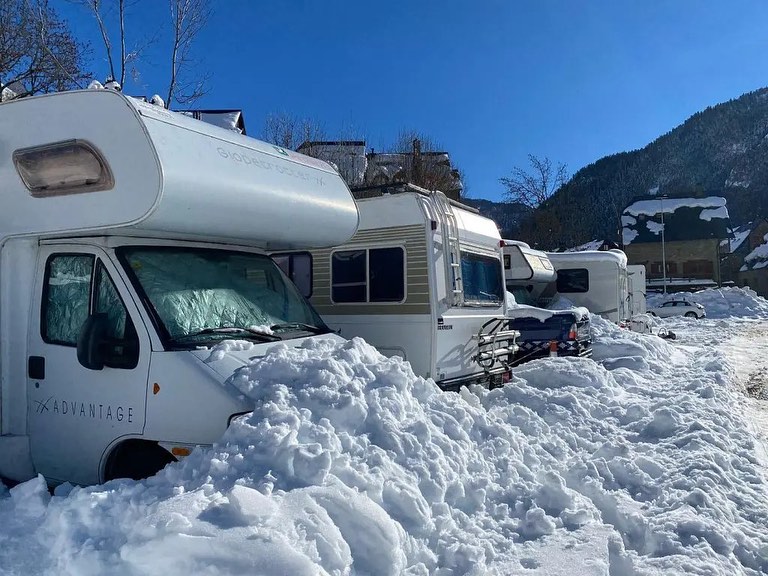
{"x": 590, "y": 256}
{"x": 165, "y": 175}
{"x": 362, "y": 192}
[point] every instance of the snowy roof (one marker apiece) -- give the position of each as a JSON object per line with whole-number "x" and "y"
{"x": 758, "y": 258}
{"x": 229, "y": 119}
{"x": 737, "y": 237}
{"x": 680, "y": 218}
{"x": 594, "y": 245}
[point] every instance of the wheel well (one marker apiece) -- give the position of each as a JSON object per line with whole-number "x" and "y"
{"x": 136, "y": 459}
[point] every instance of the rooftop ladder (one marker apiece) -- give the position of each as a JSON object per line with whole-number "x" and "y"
{"x": 449, "y": 229}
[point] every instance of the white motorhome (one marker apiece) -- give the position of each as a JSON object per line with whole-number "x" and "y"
{"x": 596, "y": 280}
{"x": 528, "y": 274}
{"x": 421, "y": 279}
{"x": 600, "y": 281}
{"x": 132, "y": 240}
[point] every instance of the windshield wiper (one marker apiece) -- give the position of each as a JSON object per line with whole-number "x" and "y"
{"x": 250, "y": 333}
{"x": 301, "y": 326}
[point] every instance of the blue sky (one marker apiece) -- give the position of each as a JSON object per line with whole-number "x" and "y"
{"x": 490, "y": 80}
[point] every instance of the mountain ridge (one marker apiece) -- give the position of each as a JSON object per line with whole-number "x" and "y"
{"x": 719, "y": 151}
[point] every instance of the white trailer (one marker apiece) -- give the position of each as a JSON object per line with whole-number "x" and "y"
{"x": 596, "y": 280}
{"x": 421, "y": 279}
{"x": 132, "y": 239}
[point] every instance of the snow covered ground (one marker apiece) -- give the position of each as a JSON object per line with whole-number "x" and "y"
{"x": 649, "y": 459}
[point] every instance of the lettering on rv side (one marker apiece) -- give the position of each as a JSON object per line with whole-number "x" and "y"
{"x": 267, "y": 165}
{"x": 90, "y": 410}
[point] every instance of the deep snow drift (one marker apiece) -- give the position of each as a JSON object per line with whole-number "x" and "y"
{"x": 640, "y": 461}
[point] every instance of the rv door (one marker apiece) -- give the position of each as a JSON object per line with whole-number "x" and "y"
{"x": 88, "y": 363}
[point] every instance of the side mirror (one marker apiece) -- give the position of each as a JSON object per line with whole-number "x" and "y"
{"x": 96, "y": 349}
{"x": 90, "y": 342}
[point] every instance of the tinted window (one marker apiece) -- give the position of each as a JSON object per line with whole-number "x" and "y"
{"x": 482, "y": 278}
{"x": 572, "y": 280}
{"x": 67, "y": 298}
{"x": 348, "y": 272}
{"x": 371, "y": 275}
{"x": 386, "y": 274}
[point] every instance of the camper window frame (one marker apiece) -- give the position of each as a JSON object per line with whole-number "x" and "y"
{"x": 367, "y": 249}
{"x": 491, "y": 256}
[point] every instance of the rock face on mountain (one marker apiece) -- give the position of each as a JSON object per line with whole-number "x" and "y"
{"x": 721, "y": 151}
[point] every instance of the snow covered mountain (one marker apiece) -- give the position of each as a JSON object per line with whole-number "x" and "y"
{"x": 720, "y": 151}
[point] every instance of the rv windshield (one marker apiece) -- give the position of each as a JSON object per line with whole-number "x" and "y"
{"x": 203, "y": 294}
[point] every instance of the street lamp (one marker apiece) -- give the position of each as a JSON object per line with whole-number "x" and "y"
{"x": 663, "y": 251}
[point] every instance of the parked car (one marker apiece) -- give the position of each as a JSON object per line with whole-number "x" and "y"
{"x": 678, "y": 307}
{"x": 546, "y": 333}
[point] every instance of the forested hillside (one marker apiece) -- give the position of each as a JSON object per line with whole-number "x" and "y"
{"x": 721, "y": 151}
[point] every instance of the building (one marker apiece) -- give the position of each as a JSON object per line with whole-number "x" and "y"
{"x": 677, "y": 239}
{"x": 742, "y": 240}
{"x": 431, "y": 170}
{"x": 754, "y": 269}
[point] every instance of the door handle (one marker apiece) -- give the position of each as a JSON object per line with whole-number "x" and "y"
{"x": 36, "y": 368}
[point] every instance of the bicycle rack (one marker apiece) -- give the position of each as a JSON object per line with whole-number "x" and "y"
{"x": 496, "y": 344}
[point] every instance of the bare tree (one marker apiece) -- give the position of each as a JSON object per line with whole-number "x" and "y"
{"x": 189, "y": 17}
{"x": 38, "y": 52}
{"x": 105, "y": 13}
{"x": 425, "y": 164}
{"x": 534, "y": 187}
{"x": 290, "y": 132}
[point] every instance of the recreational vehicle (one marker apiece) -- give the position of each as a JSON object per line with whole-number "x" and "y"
{"x": 421, "y": 279}
{"x": 528, "y": 274}
{"x": 132, "y": 240}
{"x": 531, "y": 278}
{"x": 596, "y": 280}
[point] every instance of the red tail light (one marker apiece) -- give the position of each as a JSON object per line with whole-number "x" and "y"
{"x": 573, "y": 333}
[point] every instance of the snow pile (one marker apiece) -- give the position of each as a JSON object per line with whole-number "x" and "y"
{"x": 720, "y": 302}
{"x": 640, "y": 462}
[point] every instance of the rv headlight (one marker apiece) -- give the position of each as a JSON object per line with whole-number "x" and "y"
{"x": 69, "y": 167}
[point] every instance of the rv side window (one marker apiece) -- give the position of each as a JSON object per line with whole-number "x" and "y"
{"x": 298, "y": 267}
{"x": 572, "y": 280}
{"x": 66, "y": 297}
{"x": 371, "y": 275}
